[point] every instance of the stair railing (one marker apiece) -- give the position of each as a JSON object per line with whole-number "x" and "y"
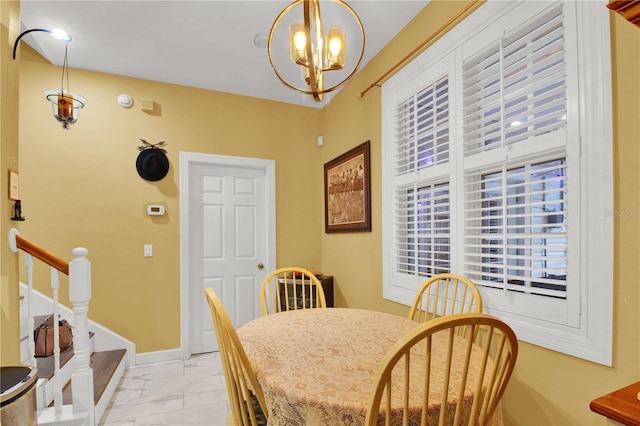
{"x": 79, "y": 272}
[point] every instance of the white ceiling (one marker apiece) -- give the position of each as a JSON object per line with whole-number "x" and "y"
{"x": 206, "y": 44}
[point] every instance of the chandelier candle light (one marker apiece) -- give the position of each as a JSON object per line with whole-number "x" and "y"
{"x": 314, "y": 51}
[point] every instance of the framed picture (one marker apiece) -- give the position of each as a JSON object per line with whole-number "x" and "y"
{"x": 347, "y": 192}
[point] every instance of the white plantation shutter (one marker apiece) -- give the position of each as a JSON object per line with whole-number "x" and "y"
{"x": 423, "y": 229}
{"x": 515, "y": 228}
{"x": 515, "y": 89}
{"x": 432, "y": 124}
{"x": 422, "y": 218}
{"x": 515, "y": 214}
{"x": 497, "y": 165}
{"x": 405, "y": 137}
{"x": 422, "y": 128}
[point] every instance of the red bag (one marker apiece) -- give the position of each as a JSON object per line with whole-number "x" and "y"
{"x": 43, "y": 336}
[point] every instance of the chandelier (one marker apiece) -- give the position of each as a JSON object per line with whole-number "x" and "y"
{"x": 314, "y": 57}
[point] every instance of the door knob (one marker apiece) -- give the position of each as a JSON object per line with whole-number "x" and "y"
{"x": 260, "y": 266}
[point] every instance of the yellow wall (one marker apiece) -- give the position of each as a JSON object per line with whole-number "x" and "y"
{"x": 548, "y": 388}
{"x": 9, "y": 296}
{"x": 80, "y": 188}
{"x": 349, "y": 120}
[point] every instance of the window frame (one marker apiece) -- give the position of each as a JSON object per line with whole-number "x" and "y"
{"x": 589, "y": 136}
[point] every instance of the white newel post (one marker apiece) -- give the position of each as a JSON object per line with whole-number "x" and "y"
{"x": 79, "y": 296}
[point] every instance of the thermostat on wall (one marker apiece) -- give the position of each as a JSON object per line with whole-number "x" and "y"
{"x": 155, "y": 210}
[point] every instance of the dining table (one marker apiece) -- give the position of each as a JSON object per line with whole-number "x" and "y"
{"x": 317, "y": 366}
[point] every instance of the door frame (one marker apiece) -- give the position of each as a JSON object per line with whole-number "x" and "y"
{"x": 187, "y": 160}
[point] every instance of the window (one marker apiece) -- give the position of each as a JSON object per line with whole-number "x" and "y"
{"x": 497, "y": 165}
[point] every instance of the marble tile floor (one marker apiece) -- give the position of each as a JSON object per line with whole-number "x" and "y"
{"x": 176, "y": 393}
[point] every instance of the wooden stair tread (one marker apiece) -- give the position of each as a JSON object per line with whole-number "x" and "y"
{"x": 104, "y": 364}
{"x": 46, "y": 365}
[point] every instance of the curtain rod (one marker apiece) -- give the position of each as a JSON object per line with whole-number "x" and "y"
{"x": 418, "y": 48}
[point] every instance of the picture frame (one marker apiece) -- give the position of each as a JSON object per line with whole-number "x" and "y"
{"x": 347, "y": 191}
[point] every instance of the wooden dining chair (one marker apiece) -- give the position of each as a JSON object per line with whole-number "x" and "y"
{"x": 409, "y": 366}
{"x": 248, "y": 406}
{"x": 445, "y": 294}
{"x": 290, "y": 288}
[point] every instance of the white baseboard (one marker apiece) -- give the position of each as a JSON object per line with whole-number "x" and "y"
{"x": 159, "y": 356}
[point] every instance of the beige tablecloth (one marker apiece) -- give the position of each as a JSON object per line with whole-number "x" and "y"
{"x": 316, "y": 366}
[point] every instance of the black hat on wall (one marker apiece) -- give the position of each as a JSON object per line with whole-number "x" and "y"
{"x": 152, "y": 164}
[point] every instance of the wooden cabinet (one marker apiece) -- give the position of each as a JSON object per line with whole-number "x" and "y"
{"x": 327, "y": 285}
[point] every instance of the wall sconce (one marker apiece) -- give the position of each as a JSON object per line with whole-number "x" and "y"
{"x": 55, "y": 33}
{"x": 314, "y": 52}
{"x": 66, "y": 105}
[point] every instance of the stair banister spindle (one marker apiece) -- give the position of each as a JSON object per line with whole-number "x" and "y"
{"x": 79, "y": 296}
{"x": 28, "y": 263}
{"x": 57, "y": 388}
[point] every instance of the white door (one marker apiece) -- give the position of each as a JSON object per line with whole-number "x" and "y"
{"x": 231, "y": 240}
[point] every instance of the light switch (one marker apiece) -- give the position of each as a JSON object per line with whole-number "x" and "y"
{"x": 148, "y": 250}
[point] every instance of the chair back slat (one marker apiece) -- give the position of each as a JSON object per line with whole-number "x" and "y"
{"x": 462, "y": 386}
{"x": 445, "y": 294}
{"x": 290, "y": 288}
